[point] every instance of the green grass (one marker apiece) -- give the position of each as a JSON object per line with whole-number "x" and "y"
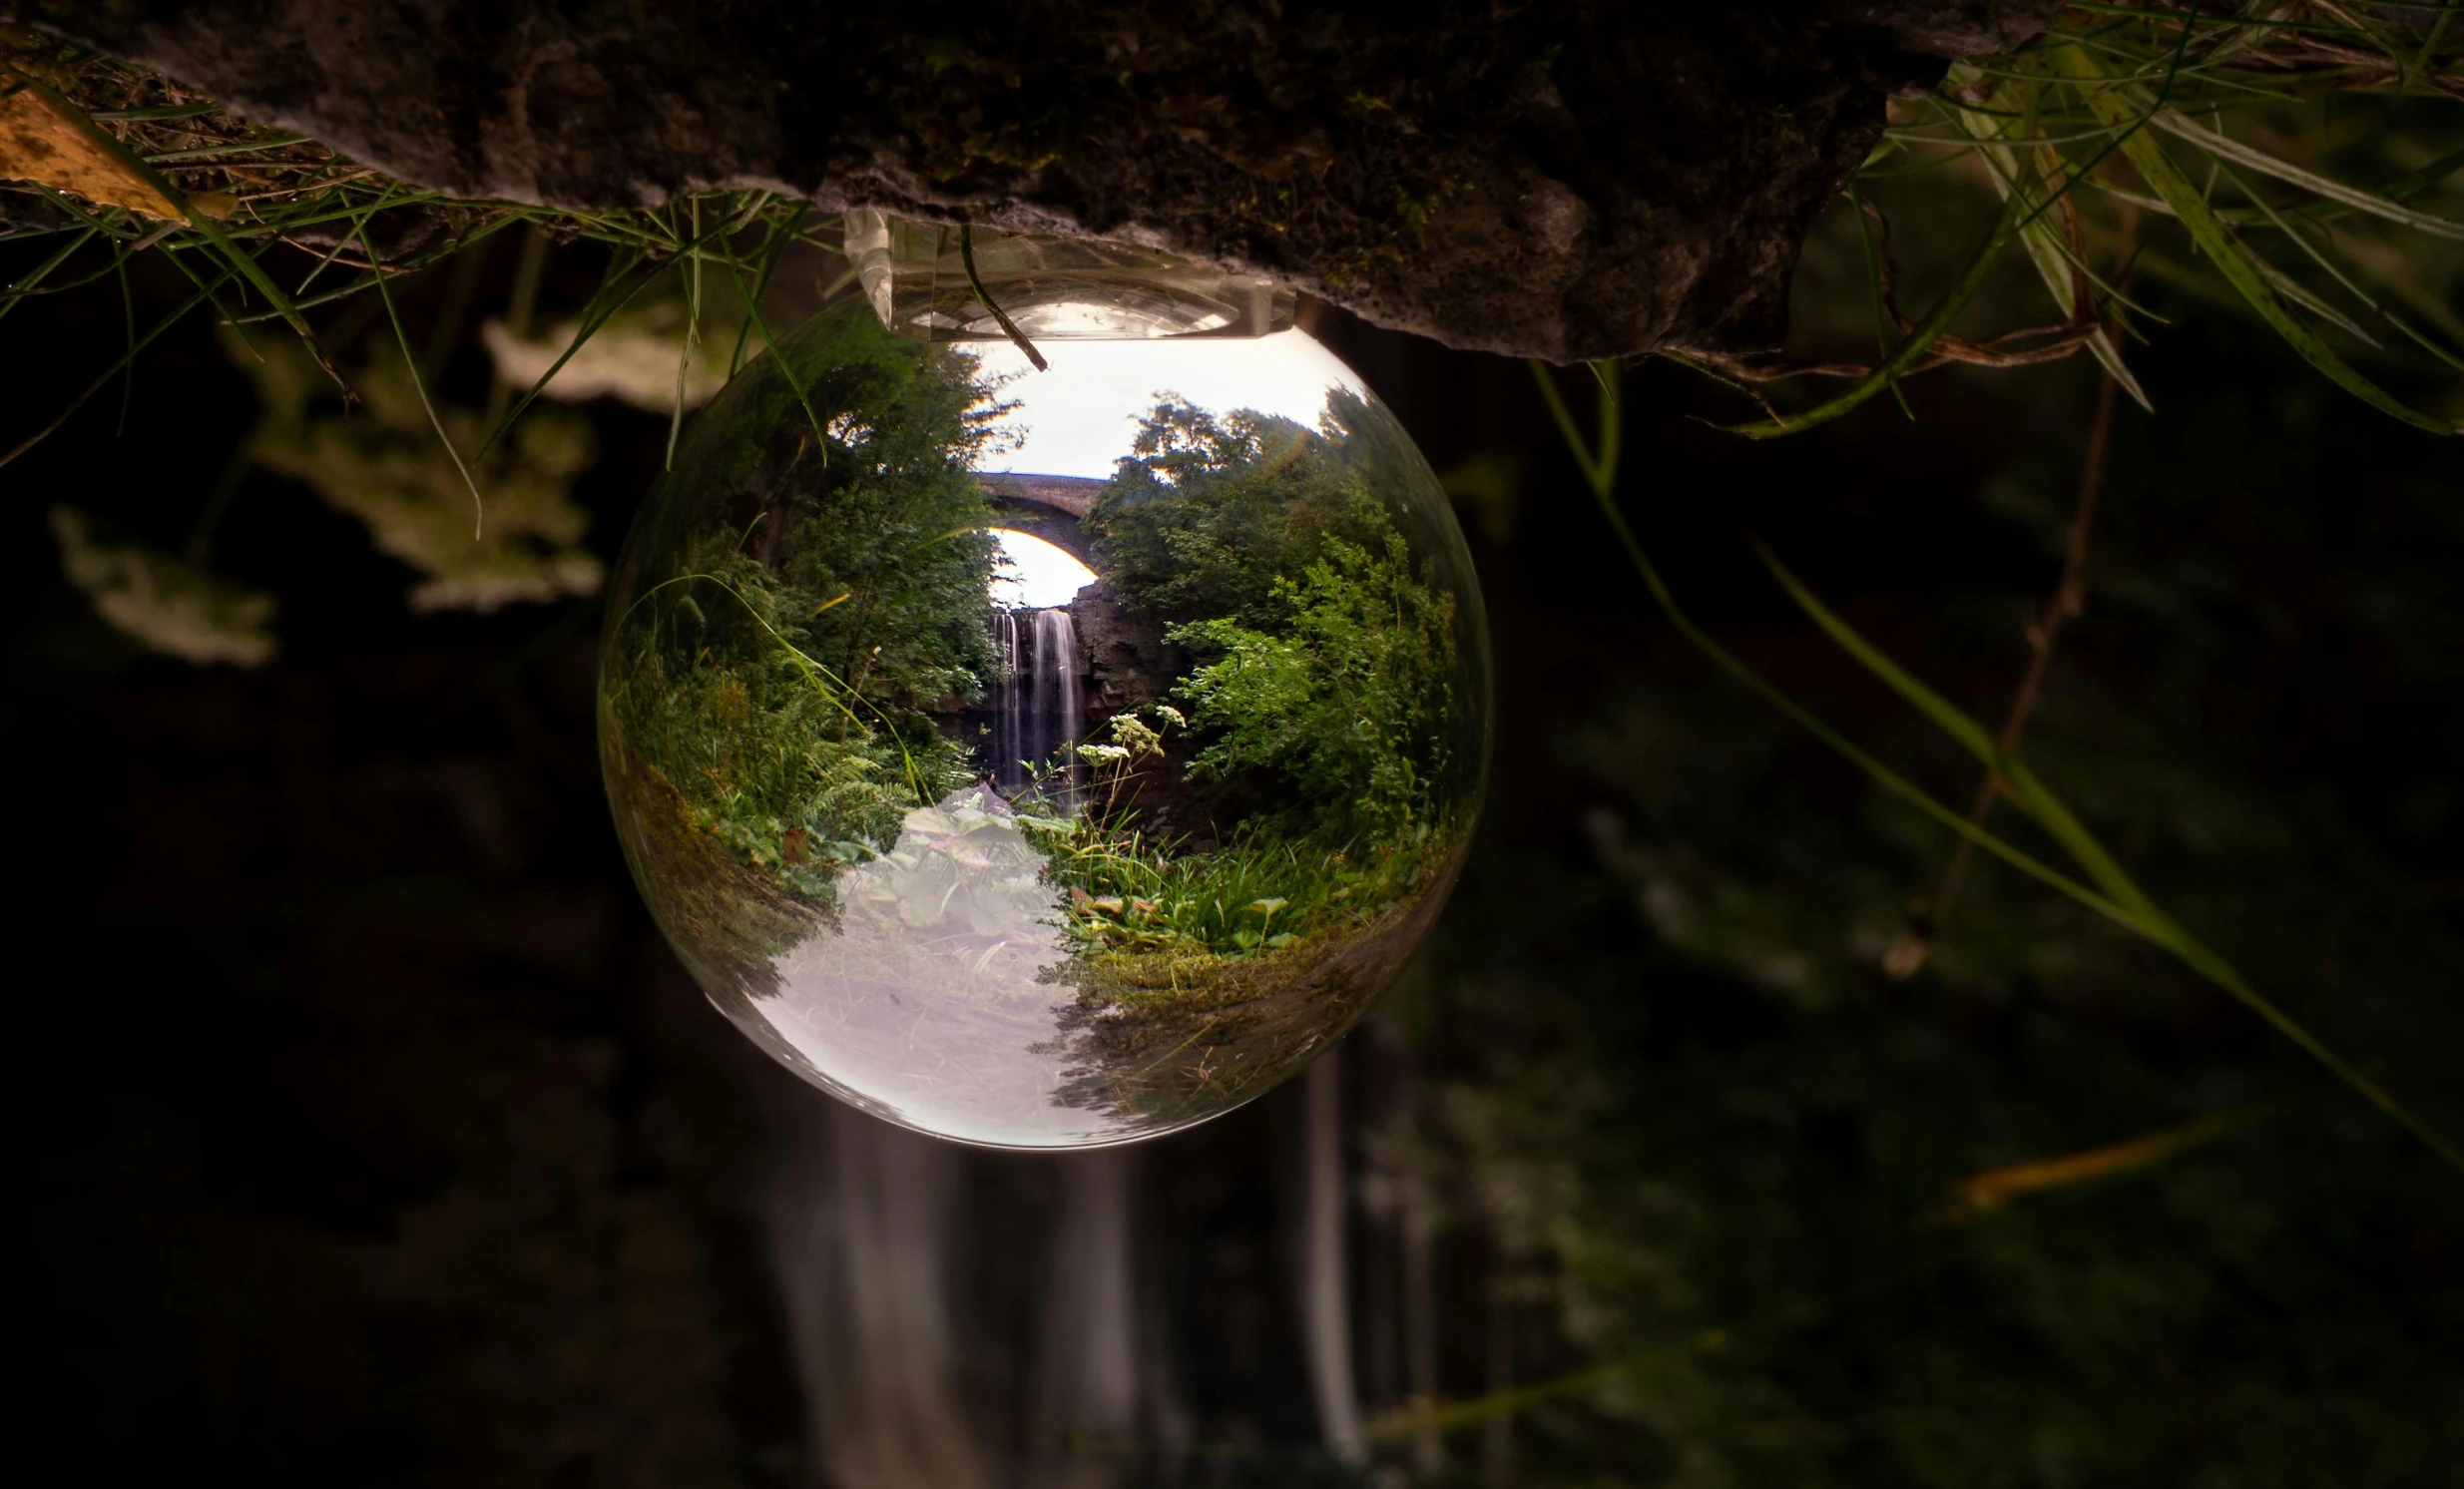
{"x": 2100, "y": 884}
{"x": 2208, "y": 120}
{"x": 302, "y": 233}
{"x": 1260, "y": 892}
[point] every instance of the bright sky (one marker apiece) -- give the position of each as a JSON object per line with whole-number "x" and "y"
{"x": 1079, "y": 417}
{"x": 1032, "y": 573}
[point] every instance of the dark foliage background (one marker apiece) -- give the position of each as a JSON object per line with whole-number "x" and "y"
{"x": 369, "y": 1134}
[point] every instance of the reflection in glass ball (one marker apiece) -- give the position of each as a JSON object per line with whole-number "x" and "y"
{"x": 1044, "y": 760}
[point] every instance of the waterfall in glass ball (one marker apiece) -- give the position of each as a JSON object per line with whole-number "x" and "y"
{"x": 1045, "y": 758}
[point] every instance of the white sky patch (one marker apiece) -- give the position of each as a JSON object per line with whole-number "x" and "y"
{"x": 1079, "y": 417}
{"x": 1032, "y": 573}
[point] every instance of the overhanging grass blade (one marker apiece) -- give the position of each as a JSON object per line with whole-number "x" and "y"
{"x": 247, "y": 266}
{"x": 2227, "y": 148}
{"x": 1980, "y": 1193}
{"x": 753, "y": 308}
{"x": 1873, "y": 281}
{"x": 2029, "y": 794}
{"x": 2302, "y": 294}
{"x": 2128, "y": 906}
{"x": 128, "y": 323}
{"x": 2230, "y": 257}
{"x": 96, "y": 386}
{"x": 772, "y": 253}
{"x": 26, "y": 284}
{"x": 2046, "y": 250}
{"x": 2140, "y": 916}
{"x": 177, "y": 260}
{"x": 410, "y": 363}
{"x": 594, "y": 315}
{"x": 2303, "y": 242}
{"x": 690, "y": 273}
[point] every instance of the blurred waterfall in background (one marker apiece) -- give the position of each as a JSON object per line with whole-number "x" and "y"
{"x": 865, "y": 1225}
{"x": 969, "y": 1319}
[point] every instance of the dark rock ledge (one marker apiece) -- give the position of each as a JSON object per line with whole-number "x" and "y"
{"x": 1559, "y": 178}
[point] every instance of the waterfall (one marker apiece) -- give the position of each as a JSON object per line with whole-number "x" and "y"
{"x": 1039, "y": 704}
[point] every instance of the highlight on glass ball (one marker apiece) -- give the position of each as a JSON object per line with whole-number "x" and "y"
{"x": 1044, "y": 758}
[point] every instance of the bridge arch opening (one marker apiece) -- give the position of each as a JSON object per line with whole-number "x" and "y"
{"x": 1034, "y": 574}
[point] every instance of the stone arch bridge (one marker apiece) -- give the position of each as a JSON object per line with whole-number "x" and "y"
{"x": 1046, "y": 507}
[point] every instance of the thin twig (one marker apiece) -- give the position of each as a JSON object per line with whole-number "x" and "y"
{"x": 966, "y": 255}
{"x": 1930, "y": 918}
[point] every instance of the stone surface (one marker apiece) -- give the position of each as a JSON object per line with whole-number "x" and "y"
{"x": 1564, "y": 177}
{"x": 1046, "y": 507}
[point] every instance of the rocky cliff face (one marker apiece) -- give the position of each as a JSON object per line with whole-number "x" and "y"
{"x": 1128, "y": 663}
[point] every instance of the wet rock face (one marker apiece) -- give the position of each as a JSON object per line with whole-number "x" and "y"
{"x": 1564, "y": 179}
{"x": 1126, "y": 663}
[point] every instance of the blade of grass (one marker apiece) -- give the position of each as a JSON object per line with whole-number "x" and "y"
{"x": 524, "y": 300}
{"x": 177, "y": 259}
{"x": 2049, "y": 812}
{"x": 96, "y": 386}
{"x": 2302, "y": 242}
{"x": 2429, "y": 47}
{"x": 1602, "y": 478}
{"x": 249, "y": 269}
{"x": 2411, "y": 184}
{"x": 2127, "y": 906}
{"x": 235, "y": 146}
{"x": 2224, "y": 147}
{"x": 595, "y": 315}
{"x": 128, "y": 321}
{"x": 2236, "y": 262}
{"x": 2044, "y": 243}
{"x": 772, "y": 253}
{"x": 419, "y": 385}
{"x": 795, "y": 381}
{"x": 1873, "y": 280}
{"x": 26, "y": 284}
{"x": 170, "y": 111}
{"x": 1971, "y": 736}
{"x": 2302, "y": 294}
{"x": 1979, "y": 1193}
{"x": 691, "y": 275}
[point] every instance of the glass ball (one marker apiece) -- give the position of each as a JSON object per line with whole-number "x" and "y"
{"x": 1044, "y": 759}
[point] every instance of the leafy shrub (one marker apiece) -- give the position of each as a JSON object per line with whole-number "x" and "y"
{"x": 1348, "y": 701}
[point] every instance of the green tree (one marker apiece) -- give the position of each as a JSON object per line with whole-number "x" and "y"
{"x": 875, "y": 525}
{"x": 1205, "y": 514}
{"x": 808, "y": 592}
{"x": 1348, "y": 699}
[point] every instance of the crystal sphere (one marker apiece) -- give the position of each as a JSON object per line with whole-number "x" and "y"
{"x": 1044, "y": 759}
